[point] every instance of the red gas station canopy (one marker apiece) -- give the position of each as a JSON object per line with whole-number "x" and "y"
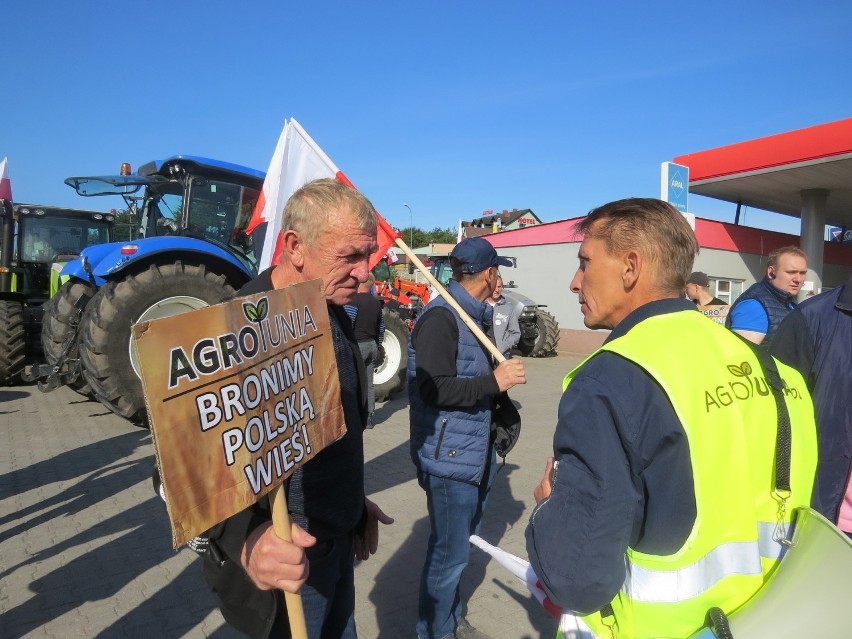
{"x": 770, "y": 173}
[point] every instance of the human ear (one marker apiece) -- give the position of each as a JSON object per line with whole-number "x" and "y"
{"x": 292, "y": 248}
{"x": 631, "y": 267}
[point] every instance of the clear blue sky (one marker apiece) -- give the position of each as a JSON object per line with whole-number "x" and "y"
{"x": 451, "y": 107}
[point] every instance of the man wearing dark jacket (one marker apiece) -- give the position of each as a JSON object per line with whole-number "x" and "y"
{"x": 365, "y": 311}
{"x": 637, "y": 526}
{"x": 329, "y": 232}
{"x": 816, "y": 339}
{"x": 452, "y": 385}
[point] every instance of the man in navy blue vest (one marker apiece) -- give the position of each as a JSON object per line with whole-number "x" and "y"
{"x": 758, "y": 312}
{"x": 452, "y": 384}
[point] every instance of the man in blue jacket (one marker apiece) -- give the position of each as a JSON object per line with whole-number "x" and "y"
{"x": 452, "y": 384}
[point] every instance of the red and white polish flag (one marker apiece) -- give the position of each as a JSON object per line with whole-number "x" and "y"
{"x": 296, "y": 161}
{"x": 5, "y": 183}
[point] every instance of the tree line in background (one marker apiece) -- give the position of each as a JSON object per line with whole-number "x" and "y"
{"x": 422, "y": 238}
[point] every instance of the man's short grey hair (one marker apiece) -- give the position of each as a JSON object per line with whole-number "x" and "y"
{"x": 654, "y": 227}
{"x": 309, "y": 209}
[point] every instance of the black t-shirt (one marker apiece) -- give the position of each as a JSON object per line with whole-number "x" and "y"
{"x": 435, "y": 339}
{"x": 369, "y": 317}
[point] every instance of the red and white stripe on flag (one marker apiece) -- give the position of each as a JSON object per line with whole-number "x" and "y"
{"x": 5, "y": 182}
{"x": 296, "y": 161}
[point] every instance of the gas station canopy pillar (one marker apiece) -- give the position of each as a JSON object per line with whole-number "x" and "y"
{"x": 813, "y": 232}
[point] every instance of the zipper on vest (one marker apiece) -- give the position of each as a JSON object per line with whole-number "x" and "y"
{"x": 440, "y": 439}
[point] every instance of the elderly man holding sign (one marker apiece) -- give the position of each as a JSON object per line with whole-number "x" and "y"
{"x": 329, "y": 233}
{"x": 257, "y": 408}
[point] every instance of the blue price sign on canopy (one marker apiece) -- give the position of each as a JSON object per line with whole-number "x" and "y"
{"x": 674, "y": 185}
{"x": 840, "y": 234}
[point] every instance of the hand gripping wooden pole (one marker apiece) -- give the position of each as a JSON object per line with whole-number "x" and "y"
{"x": 281, "y": 526}
{"x": 482, "y": 337}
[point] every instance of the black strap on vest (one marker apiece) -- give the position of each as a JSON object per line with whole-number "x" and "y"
{"x": 716, "y": 619}
{"x": 783, "y": 443}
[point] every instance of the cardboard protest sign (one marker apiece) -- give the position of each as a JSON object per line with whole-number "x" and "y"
{"x": 239, "y": 395}
{"x": 716, "y": 312}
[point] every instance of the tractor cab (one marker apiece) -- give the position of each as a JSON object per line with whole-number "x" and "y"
{"x": 35, "y": 240}
{"x": 36, "y": 237}
{"x": 187, "y": 196}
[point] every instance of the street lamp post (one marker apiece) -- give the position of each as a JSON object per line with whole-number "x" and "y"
{"x": 411, "y": 227}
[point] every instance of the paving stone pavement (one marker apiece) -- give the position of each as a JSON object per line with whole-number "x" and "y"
{"x": 85, "y": 546}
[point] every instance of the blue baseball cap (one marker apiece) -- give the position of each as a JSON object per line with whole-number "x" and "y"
{"x": 476, "y": 254}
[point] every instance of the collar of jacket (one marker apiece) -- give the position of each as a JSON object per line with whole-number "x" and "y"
{"x": 480, "y": 312}
{"x": 657, "y": 307}
{"x": 845, "y": 301}
{"x": 782, "y": 296}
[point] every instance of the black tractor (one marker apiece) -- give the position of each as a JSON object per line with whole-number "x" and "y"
{"x": 35, "y": 241}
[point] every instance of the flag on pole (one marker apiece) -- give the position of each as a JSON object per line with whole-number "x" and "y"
{"x": 386, "y": 235}
{"x": 296, "y": 161}
{"x": 5, "y": 183}
{"x": 570, "y": 625}
{"x": 460, "y": 236}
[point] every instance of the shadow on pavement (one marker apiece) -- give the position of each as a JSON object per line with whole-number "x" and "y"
{"x": 396, "y": 403}
{"x": 544, "y": 624}
{"x": 395, "y": 590}
{"x": 10, "y": 396}
{"x": 388, "y": 470}
{"x": 71, "y": 464}
{"x": 104, "y": 554}
{"x": 139, "y": 541}
{"x": 502, "y": 513}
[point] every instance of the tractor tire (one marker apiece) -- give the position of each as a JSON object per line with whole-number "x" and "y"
{"x": 13, "y": 342}
{"x": 548, "y": 335}
{"x": 61, "y": 322}
{"x": 390, "y": 376}
{"x": 110, "y": 364}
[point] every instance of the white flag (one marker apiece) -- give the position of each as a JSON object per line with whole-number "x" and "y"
{"x": 5, "y": 183}
{"x": 570, "y": 625}
{"x": 297, "y": 160}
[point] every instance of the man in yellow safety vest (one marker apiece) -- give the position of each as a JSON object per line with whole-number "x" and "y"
{"x": 662, "y": 502}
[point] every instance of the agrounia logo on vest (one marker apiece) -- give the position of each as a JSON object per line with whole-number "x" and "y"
{"x": 745, "y": 387}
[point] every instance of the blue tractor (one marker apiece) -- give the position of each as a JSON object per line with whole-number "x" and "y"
{"x": 192, "y": 251}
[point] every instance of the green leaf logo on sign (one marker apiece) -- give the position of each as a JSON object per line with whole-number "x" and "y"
{"x": 256, "y": 313}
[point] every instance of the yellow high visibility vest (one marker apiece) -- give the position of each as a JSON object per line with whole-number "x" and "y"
{"x": 719, "y": 394}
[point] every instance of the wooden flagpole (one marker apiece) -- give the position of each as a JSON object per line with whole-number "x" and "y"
{"x": 281, "y": 526}
{"x": 482, "y": 337}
